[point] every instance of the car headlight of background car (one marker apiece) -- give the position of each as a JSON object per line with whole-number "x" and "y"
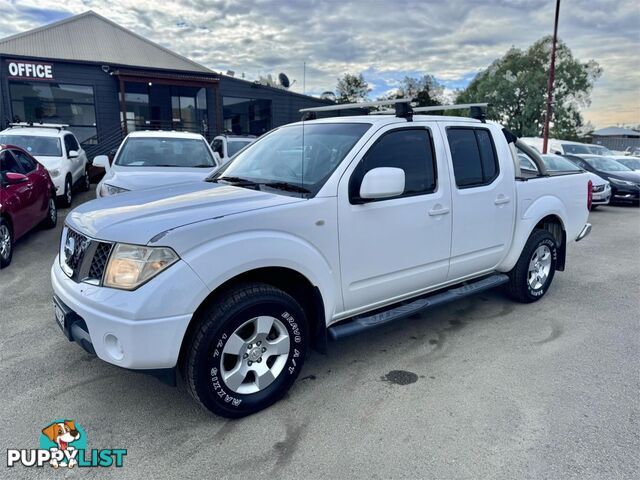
{"x": 132, "y": 265}
{"x": 625, "y": 183}
{"x": 106, "y": 190}
{"x": 54, "y": 172}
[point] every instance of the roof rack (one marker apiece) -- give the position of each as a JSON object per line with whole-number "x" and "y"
{"x": 402, "y": 108}
{"x": 58, "y": 126}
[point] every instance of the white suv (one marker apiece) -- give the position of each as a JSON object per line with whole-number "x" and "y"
{"x": 153, "y": 159}
{"x": 58, "y": 150}
{"x": 226, "y": 146}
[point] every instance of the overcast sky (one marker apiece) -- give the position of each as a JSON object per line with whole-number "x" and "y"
{"x": 385, "y": 40}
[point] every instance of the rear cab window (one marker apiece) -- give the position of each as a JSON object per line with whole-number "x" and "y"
{"x": 473, "y": 154}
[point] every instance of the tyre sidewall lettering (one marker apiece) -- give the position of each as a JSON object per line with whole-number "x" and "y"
{"x": 218, "y": 388}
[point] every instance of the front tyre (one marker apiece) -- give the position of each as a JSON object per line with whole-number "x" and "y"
{"x": 246, "y": 351}
{"x": 6, "y": 243}
{"x": 67, "y": 197}
{"x": 531, "y": 277}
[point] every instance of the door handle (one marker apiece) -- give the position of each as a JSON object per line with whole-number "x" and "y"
{"x": 438, "y": 210}
{"x": 501, "y": 200}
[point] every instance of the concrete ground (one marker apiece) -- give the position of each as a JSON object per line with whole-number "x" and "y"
{"x": 485, "y": 388}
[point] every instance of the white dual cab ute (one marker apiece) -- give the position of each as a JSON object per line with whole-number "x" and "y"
{"x": 319, "y": 229}
{"x": 57, "y": 149}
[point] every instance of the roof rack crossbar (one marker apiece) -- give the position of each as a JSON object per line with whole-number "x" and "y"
{"x": 58, "y": 126}
{"x": 440, "y": 108}
{"x": 348, "y": 106}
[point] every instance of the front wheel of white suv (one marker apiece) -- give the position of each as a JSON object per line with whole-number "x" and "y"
{"x": 246, "y": 350}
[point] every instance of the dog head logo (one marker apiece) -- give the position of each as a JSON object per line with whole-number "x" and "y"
{"x": 66, "y": 437}
{"x": 62, "y": 433}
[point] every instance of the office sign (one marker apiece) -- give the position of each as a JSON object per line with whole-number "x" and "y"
{"x": 29, "y": 70}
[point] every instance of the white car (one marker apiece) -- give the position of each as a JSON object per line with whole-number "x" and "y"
{"x": 58, "y": 150}
{"x": 226, "y": 146}
{"x": 601, "y": 189}
{"x": 153, "y": 159}
{"x": 318, "y": 230}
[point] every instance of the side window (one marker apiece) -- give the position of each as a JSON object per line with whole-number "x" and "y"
{"x": 408, "y": 149}
{"x": 8, "y": 164}
{"x": 474, "y": 156}
{"x": 24, "y": 161}
{"x": 71, "y": 143}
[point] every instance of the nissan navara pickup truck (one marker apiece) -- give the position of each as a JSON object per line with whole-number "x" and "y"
{"x": 318, "y": 230}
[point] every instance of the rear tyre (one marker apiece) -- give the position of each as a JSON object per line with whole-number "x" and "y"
{"x": 52, "y": 214}
{"x": 246, "y": 350}
{"x": 531, "y": 277}
{"x": 6, "y": 243}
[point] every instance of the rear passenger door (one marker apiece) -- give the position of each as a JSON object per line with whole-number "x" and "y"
{"x": 483, "y": 197}
{"x": 393, "y": 247}
{"x": 39, "y": 184}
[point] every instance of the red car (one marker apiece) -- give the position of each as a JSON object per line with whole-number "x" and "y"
{"x": 27, "y": 198}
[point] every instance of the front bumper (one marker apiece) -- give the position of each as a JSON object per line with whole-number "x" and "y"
{"x": 625, "y": 193}
{"x": 140, "y": 329}
{"x": 601, "y": 198}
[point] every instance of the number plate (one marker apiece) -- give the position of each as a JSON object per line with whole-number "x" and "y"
{"x": 59, "y": 316}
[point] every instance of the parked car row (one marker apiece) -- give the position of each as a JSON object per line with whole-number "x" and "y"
{"x": 620, "y": 174}
{"x": 44, "y": 165}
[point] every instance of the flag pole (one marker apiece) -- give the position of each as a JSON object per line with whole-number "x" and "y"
{"x": 552, "y": 72}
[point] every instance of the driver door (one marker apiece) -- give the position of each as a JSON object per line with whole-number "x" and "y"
{"x": 395, "y": 247}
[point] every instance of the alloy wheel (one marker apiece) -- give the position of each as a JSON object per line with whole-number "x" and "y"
{"x": 539, "y": 267}
{"x": 255, "y": 354}
{"x": 53, "y": 211}
{"x": 5, "y": 241}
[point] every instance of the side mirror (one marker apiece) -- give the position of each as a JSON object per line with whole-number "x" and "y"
{"x": 217, "y": 158}
{"x": 102, "y": 161}
{"x": 382, "y": 182}
{"x": 13, "y": 178}
{"x": 73, "y": 154}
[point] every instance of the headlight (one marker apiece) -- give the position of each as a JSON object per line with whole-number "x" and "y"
{"x": 621, "y": 182}
{"x": 54, "y": 172}
{"x": 132, "y": 265}
{"x": 106, "y": 190}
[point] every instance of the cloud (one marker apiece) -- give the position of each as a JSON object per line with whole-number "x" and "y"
{"x": 385, "y": 40}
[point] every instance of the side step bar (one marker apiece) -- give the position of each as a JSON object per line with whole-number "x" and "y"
{"x": 403, "y": 310}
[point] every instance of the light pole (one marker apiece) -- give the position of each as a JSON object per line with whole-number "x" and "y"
{"x": 552, "y": 72}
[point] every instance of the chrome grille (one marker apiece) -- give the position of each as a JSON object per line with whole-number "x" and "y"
{"x": 82, "y": 258}
{"x": 598, "y": 188}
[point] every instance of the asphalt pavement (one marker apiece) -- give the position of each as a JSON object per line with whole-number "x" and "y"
{"x": 485, "y": 388}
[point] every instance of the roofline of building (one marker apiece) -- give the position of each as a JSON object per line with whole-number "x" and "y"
{"x": 89, "y": 13}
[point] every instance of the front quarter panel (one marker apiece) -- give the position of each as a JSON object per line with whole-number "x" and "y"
{"x": 301, "y": 236}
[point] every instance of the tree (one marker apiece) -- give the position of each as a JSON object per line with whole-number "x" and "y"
{"x": 352, "y": 89}
{"x": 516, "y": 87}
{"x": 425, "y": 91}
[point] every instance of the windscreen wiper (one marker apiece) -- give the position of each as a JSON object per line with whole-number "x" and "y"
{"x": 289, "y": 187}
{"x": 242, "y": 182}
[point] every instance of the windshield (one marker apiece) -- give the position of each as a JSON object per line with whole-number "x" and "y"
{"x": 303, "y": 155}
{"x": 633, "y": 163}
{"x": 35, "y": 145}
{"x": 600, "y": 150}
{"x": 234, "y": 146}
{"x": 165, "y": 152}
{"x": 605, "y": 164}
{"x": 575, "y": 148}
{"x": 555, "y": 163}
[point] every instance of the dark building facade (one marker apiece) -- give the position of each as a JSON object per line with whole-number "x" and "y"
{"x": 140, "y": 88}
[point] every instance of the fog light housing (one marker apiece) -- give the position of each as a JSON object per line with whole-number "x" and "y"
{"x": 113, "y": 346}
